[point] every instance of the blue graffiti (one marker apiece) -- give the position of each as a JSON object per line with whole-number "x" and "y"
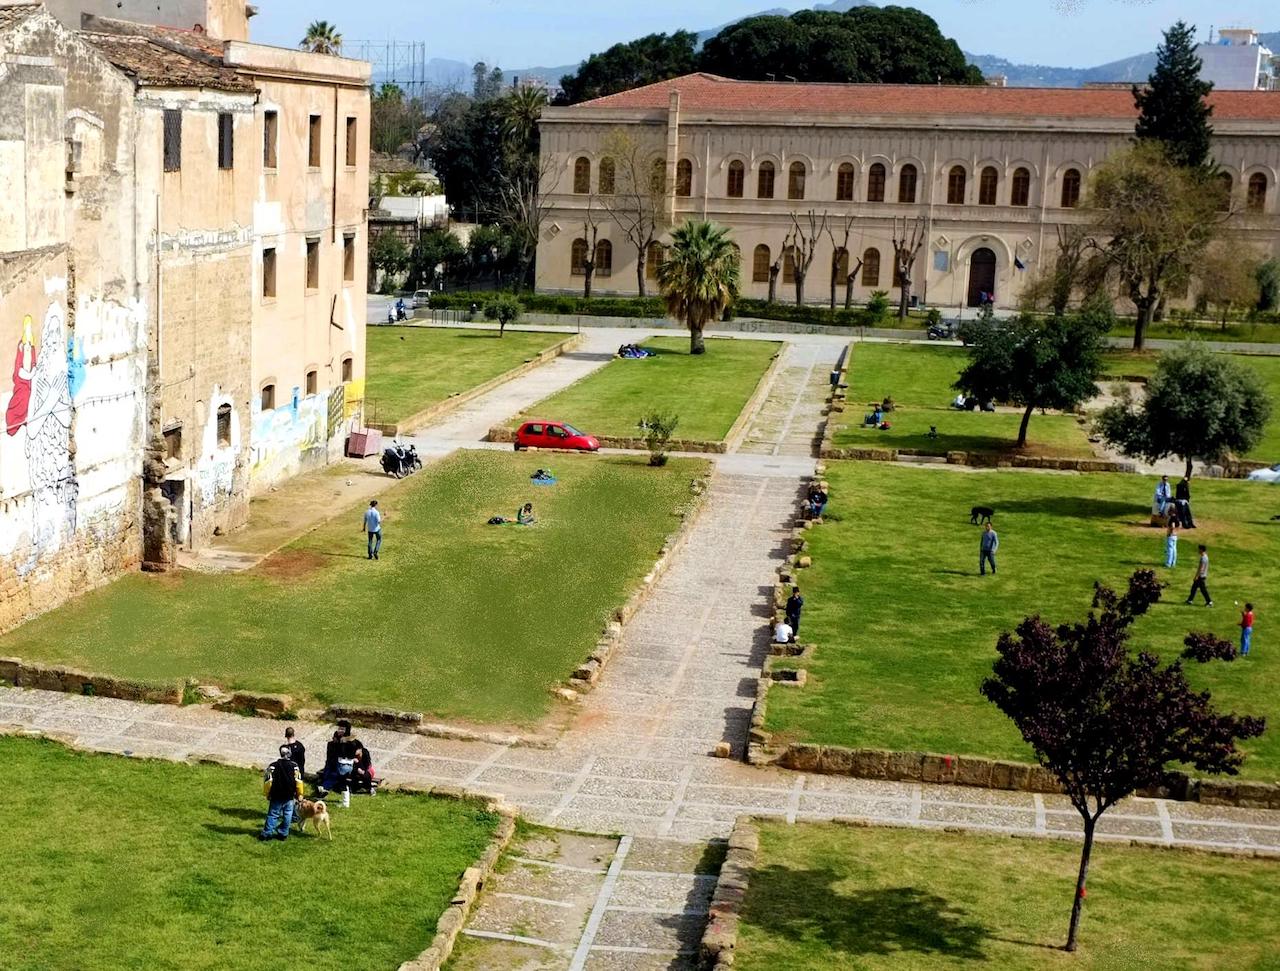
{"x": 75, "y": 366}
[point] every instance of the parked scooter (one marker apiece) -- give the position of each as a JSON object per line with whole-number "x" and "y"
{"x": 941, "y": 332}
{"x": 401, "y": 312}
{"x": 400, "y": 460}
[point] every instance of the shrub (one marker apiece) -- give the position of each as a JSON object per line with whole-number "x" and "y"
{"x": 878, "y": 307}
{"x": 658, "y": 427}
{"x": 504, "y": 308}
{"x": 1204, "y": 647}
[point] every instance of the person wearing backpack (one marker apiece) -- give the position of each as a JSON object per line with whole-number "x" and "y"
{"x": 282, "y": 785}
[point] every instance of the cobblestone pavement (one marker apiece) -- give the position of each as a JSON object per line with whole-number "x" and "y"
{"x": 788, "y": 423}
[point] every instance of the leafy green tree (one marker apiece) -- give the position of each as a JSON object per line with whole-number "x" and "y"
{"x": 655, "y": 57}
{"x": 1268, "y": 276}
{"x": 1171, "y": 108}
{"x": 505, "y": 309}
{"x": 521, "y": 111}
{"x": 486, "y": 82}
{"x": 467, "y": 150}
{"x": 1228, "y": 277}
{"x": 388, "y": 253}
{"x": 322, "y": 37}
{"x": 1033, "y": 363}
{"x": 394, "y": 120}
{"x": 436, "y": 250}
{"x": 699, "y": 277}
{"x": 1197, "y": 405}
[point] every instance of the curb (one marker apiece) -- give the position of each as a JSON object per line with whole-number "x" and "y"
{"x": 725, "y": 913}
{"x": 738, "y": 430}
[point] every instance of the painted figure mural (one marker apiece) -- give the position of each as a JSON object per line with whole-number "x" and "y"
{"x": 15, "y": 415}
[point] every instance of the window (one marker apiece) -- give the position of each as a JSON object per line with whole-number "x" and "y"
{"x": 268, "y": 397}
{"x": 270, "y": 128}
{"x": 907, "y": 183}
{"x": 842, "y": 264}
{"x": 173, "y": 439}
{"x": 312, "y": 381}
{"x": 172, "y": 139}
{"x": 224, "y": 424}
{"x": 347, "y": 368}
{"x": 1224, "y": 192}
{"x": 1071, "y": 188}
{"x": 875, "y": 183}
{"x": 313, "y": 142}
{"x": 608, "y": 176}
{"x": 844, "y": 182}
{"x": 1256, "y": 199}
{"x": 988, "y": 182}
{"x": 871, "y": 268}
{"x": 226, "y": 140}
{"x": 269, "y": 272}
{"x": 313, "y": 264}
{"x": 795, "y": 181}
{"x": 684, "y": 177}
{"x": 604, "y": 258}
{"x": 789, "y": 264}
{"x": 1020, "y": 190}
{"x": 351, "y": 141}
{"x": 764, "y": 181}
{"x": 349, "y": 257}
{"x": 737, "y": 177}
{"x": 760, "y": 260}
{"x": 535, "y": 429}
{"x": 578, "y": 257}
{"x": 652, "y": 260}
{"x": 955, "y": 185}
{"x": 582, "y": 175}
{"x": 557, "y": 431}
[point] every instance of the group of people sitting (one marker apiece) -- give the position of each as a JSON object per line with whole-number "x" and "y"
{"x": 348, "y": 766}
{"x": 634, "y": 351}
{"x": 1174, "y": 504}
{"x": 964, "y": 402}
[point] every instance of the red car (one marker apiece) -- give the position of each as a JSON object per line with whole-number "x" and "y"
{"x": 554, "y": 434}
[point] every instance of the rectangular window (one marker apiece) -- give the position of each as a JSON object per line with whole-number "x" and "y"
{"x": 270, "y": 127}
{"x": 269, "y": 272}
{"x": 172, "y": 139}
{"x": 313, "y": 382}
{"x": 349, "y": 258}
{"x": 351, "y": 141}
{"x": 313, "y": 264}
{"x": 313, "y": 142}
{"x": 173, "y": 442}
{"x": 226, "y": 140}
{"x": 224, "y": 425}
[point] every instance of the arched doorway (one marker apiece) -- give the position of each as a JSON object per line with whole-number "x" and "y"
{"x": 982, "y": 276}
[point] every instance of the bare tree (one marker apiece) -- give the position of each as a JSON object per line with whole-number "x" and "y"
{"x": 905, "y": 250}
{"x": 639, "y": 194}
{"x": 1076, "y": 268}
{"x": 522, "y": 200}
{"x": 852, "y": 271}
{"x": 591, "y": 234}
{"x": 776, "y": 267}
{"x": 806, "y": 236}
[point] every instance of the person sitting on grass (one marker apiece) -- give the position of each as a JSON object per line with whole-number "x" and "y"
{"x": 362, "y": 775}
{"x": 525, "y": 516}
{"x": 816, "y": 501}
{"x": 782, "y": 633}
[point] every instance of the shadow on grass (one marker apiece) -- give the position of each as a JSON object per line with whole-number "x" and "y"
{"x": 1077, "y": 507}
{"x": 239, "y": 812}
{"x": 804, "y": 906}
{"x": 236, "y": 830}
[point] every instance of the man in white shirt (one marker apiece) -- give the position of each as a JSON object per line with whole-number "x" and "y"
{"x": 373, "y": 526}
{"x": 1163, "y": 496}
{"x": 782, "y": 633}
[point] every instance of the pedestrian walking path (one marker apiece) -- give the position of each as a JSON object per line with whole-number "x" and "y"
{"x": 788, "y": 423}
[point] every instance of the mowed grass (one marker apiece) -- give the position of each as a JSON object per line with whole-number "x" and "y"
{"x": 458, "y": 619}
{"x": 708, "y": 392}
{"x": 824, "y": 896}
{"x": 906, "y": 628}
{"x": 121, "y": 863}
{"x": 412, "y": 368}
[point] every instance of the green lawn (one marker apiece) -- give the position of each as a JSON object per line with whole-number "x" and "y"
{"x": 458, "y": 619}
{"x": 827, "y": 896}
{"x": 412, "y": 368}
{"x": 906, "y": 628}
{"x": 707, "y": 392}
{"x": 119, "y": 863}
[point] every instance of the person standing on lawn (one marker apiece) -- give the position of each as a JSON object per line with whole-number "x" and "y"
{"x": 794, "y": 603}
{"x": 1182, "y": 498}
{"x": 373, "y": 526}
{"x": 987, "y": 547}
{"x": 283, "y": 787}
{"x": 1171, "y": 543}
{"x": 1202, "y": 577}
{"x": 1164, "y": 496}
{"x": 297, "y": 751}
{"x": 1246, "y": 629}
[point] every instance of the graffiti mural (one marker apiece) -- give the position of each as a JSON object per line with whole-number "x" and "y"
{"x": 24, "y": 364}
{"x": 281, "y": 437}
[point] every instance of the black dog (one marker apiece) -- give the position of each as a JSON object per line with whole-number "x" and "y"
{"x": 983, "y": 513}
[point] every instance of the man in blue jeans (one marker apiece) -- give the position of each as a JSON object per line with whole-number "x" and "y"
{"x": 373, "y": 526}
{"x": 987, "y": 547}
{"x": 282, "y": 785}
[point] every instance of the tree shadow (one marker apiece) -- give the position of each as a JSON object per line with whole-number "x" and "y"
{"x": 802, "y": 905}
{"x": 1077, "y": 507}
{"x": 239, "y": 812}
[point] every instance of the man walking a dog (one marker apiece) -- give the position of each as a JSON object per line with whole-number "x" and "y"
{"x": 282, "y": 787}
{"x": 987, "y": 547}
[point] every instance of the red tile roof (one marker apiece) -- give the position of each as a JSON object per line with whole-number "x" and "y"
{"x": 707, "y": 92}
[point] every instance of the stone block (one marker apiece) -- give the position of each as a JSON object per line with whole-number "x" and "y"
{"x": 836, "y": 760}
{"x": 804, "y": 562}
{"x": 1040, "y": 779}
{"x": 905, "y": 766}
{"x": 10, "y": 669}
{"x": 1214, "y": 792}
{"x": 870, "y": 763}
{"x": 722, "y": 750}
{"x": 386, "y": 717}
{"x": 938, "y": 768}
{"x": 1010, "y": 775}
{"x": 802, "y": 757}
{"x": 1257, "y": 795}
{"x": 265, "y": 704}
{"x": 972, "y": 771}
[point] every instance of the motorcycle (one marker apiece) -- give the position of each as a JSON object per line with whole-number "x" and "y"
{"x": 401, "y": 313}
{"x": 941, "y": 332}
{"x": 400, "y": 461}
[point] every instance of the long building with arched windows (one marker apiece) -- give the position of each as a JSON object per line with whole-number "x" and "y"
{"x": 990, "y": 175}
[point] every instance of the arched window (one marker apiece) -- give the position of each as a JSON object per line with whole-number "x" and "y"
{"x": 578, "y": 257}
{"x": 789, "y": 265}
{"x": 764, "y": 181}
{"x": 224, "y": 424}
{"x": 988, "y": 181}
{"x": 604, "y": 258}
{"x": 955, "y": 185}
{"x": 907, "y": 184}
{"x": 1020, "y": 189}
{"x": 608, "y": 174}
{"x": 653, "y": 257}
{"x": 346, "y": 369}
{"x": 582, "y": 175}
{"x": 844, "y": 183}
{"x": 684, "y": 178}
{"x": 875, "y": 183}
{"x": 795, "y": 181}
{"x": 760, "y": 261}
{"x": 871, "y": 268}
{"x": 842, "y": 264}
{"x": 1071, "y": 188}
{"x": 1256, "y": 199}
{"x": 737, "y": 177}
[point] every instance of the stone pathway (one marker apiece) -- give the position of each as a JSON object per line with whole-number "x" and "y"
{"x": 788, "y": 421}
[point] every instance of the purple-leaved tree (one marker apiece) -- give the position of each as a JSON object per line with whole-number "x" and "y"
{"x": 1107, "y": 723}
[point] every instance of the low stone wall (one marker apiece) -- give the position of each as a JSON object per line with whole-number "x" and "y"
{"x": 738, "y": 430}
{"x": 506, "y": 435}
{"x": 725, "y": 913}
{"x": 25, "y": 674}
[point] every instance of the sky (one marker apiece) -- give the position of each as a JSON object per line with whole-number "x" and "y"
{"x": 527, "y": 33}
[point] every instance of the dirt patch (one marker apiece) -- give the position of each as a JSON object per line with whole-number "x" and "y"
{"x": 291, "y": 564}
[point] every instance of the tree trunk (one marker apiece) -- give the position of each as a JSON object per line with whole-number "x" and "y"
{"x": 1187, "y": 460}
{"x": 1022, "y": 429}
{"x": 589, "y": 272}
{"x": 640, "y": 264}
{"x": 799, "y": 289}
{"x": 1078, "y": 903}
{"x": 904, "y": 298}
{"x": 1145, "y": 307}
{"x": 773, "y": 284}
{"x": 696, "y": 346}
{"x": 834, "y": 267}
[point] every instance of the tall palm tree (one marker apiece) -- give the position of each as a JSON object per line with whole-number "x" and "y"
{"x": 322, "y": 38}
{"x": 699, "y": 277}
{"x": 521, "y": 112}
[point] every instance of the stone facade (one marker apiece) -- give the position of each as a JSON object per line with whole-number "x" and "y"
{"x": 992, "y": 173}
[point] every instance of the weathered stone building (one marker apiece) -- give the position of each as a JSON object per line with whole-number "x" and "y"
{"x": 992, "y": 172}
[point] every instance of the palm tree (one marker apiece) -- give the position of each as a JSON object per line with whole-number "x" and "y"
{"x": 699, "y": 277}
{"x": 322, "y": 38}
{"x": 521, "y": 112}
